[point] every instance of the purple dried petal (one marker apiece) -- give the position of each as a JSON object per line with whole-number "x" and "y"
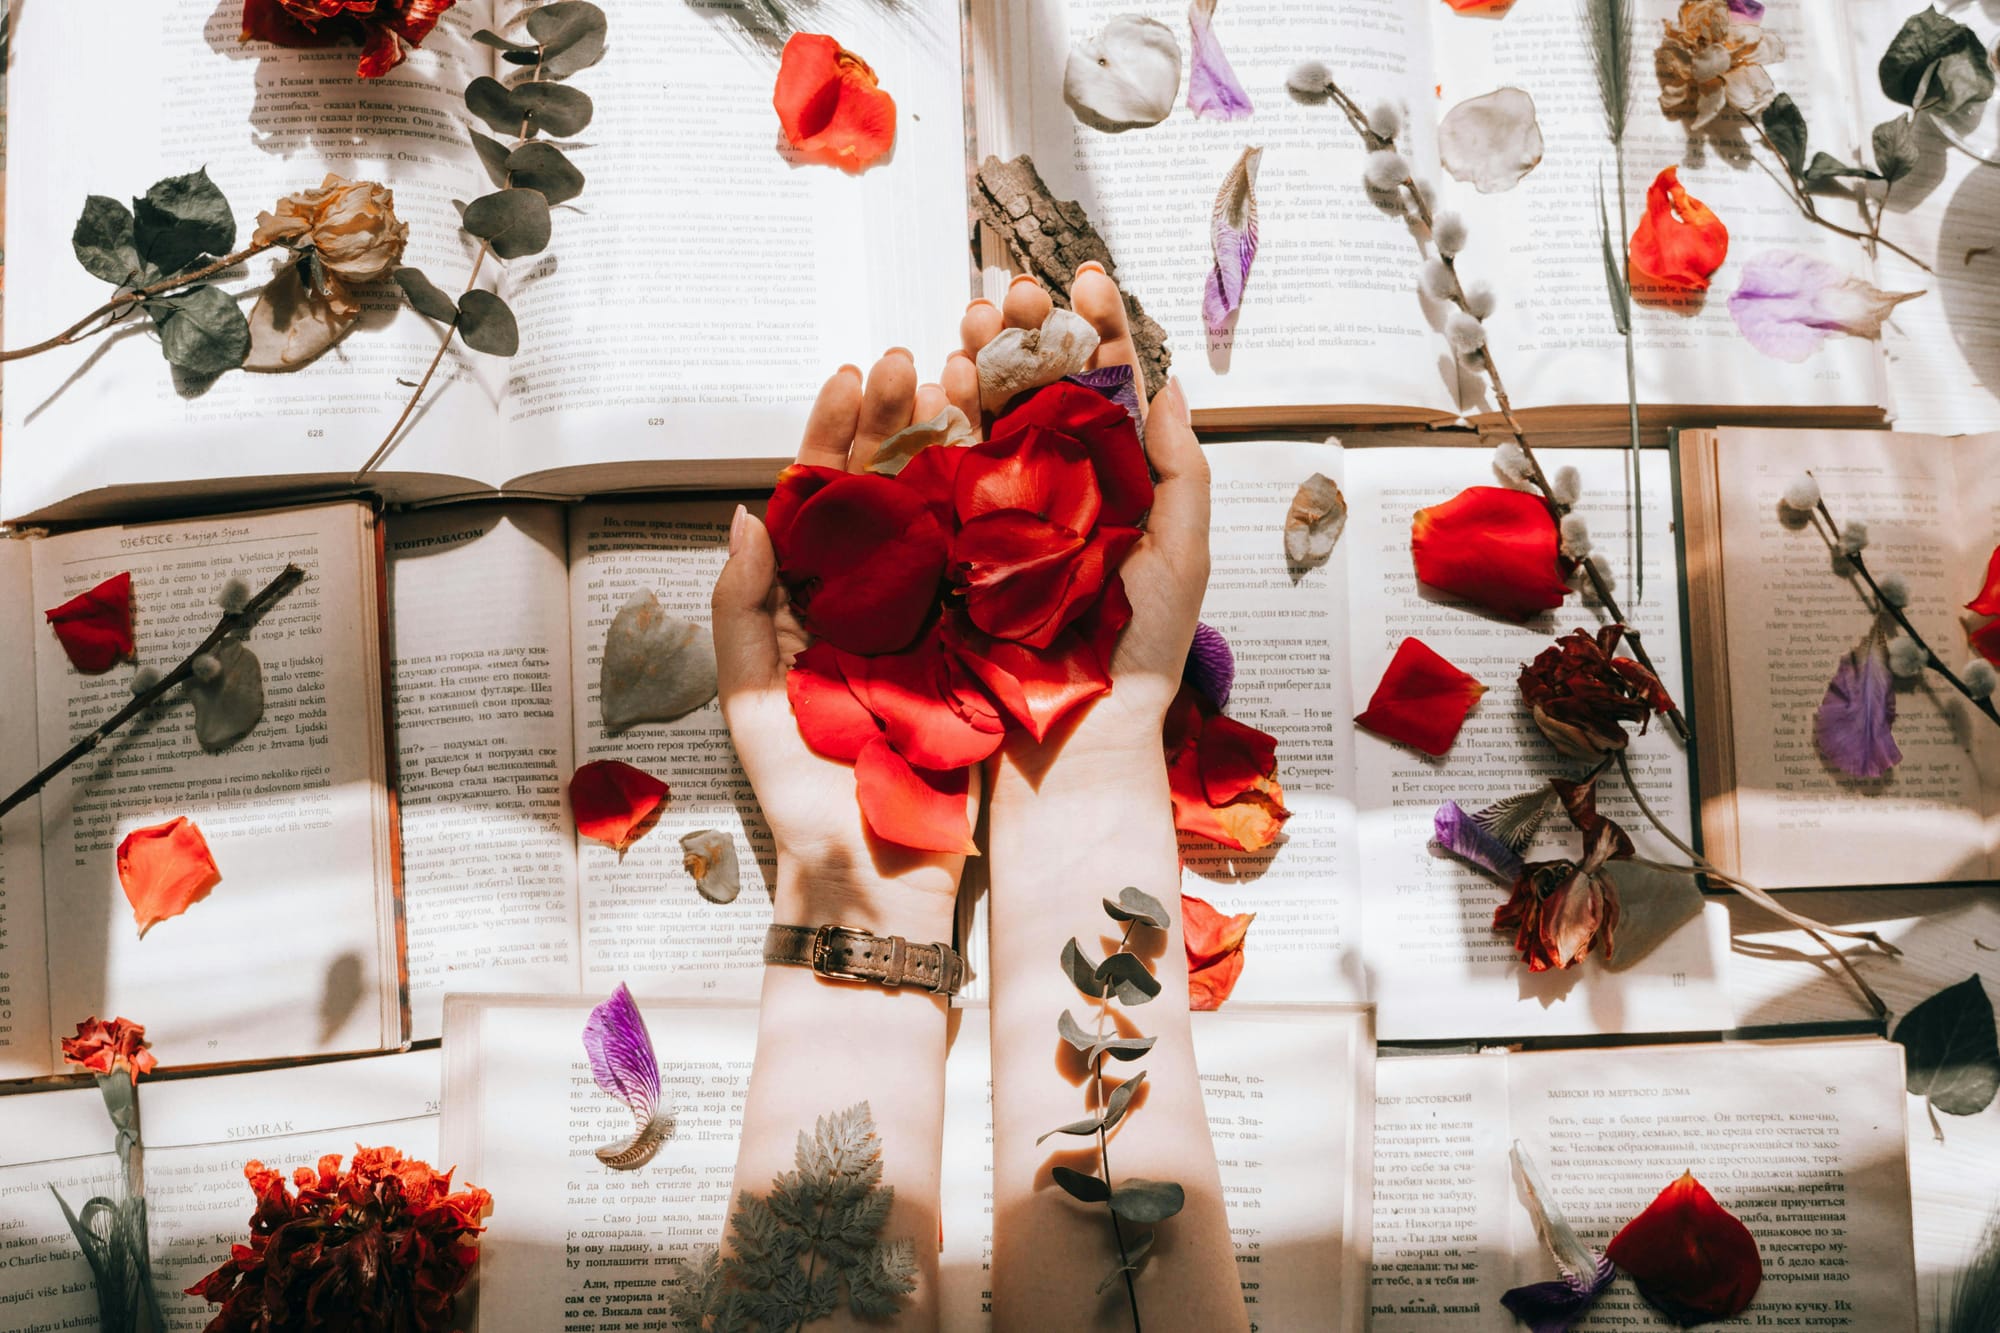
{"x": 1555, "y": 1307}
{"x": 1213, "y": 89}
{"x": 1211, "y": 667}
{"x": 1233, "y": 237}
{"x": 1115, "y": 383}
{"x": 621, "y": 1054}
{"x": 1855, "y": 719}
{"x": 1787, "y": 304}
{"x": 1455, "y": 832}
{"x": 1750, "y": 11}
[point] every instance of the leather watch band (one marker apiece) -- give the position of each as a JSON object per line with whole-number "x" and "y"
{"x": 855, "y": 955}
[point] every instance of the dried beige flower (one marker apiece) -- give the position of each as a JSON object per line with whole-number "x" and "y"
{"x": 351, "y": 225}
{"x": 1709, "y": 59}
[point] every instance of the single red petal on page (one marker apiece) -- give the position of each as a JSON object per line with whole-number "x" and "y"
{"x": 930, "y": 707}
{"x": 612, "y": 800}
{"x": 1422, "y": 700}
{"x": 1986, "y": 641}
{"x": 1987, "y": 603}
{"x": 95, "y": 627}
{"x": 165, "y": 869}
{"x": 831, "y": 720}
{"x": 862, "y": 556}
{"x": 1679, "y": 242}
{"x": 912, "y": 807}
{"x": 1496, "y": 548}
{"x": 830, "y": 106}
{"x": 1214, "y": 951}
{"x": 1690, "y": 1256}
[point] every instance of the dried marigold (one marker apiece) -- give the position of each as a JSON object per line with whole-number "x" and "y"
{"x": 1709, "y": 59}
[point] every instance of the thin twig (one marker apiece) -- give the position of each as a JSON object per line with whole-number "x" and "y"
{"x": 1803, "y": 198}
{"x": 114, "y": 309}
{"x": 232, "y": 621}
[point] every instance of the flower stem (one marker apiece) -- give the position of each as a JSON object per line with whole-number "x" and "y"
{"x": 115, "y": 309}
{"x": 1803, "y": 198}
{"x": 253, "y": 610}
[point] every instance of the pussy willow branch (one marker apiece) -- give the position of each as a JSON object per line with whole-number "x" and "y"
{"x": 116, "y": 308}
{"x": 253, "y": 610}
{"x": 1830, "y": 533}
{"x": 1540, "y": 479}
{"x": 1103, "y": 1154}
{"x": 1803, "y": 198}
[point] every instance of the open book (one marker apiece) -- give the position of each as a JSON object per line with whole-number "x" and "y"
{"x": 573, "y": 1244}
{"x": 198, "y": 1134}
{"x": 295, "y": 951}
{"x": 675, "y": 331}
{"x": 1777, "y": 617}
{"x": 1802, "y": 1141}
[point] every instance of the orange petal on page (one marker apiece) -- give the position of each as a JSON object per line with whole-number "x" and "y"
{"x": 1497, "y": 548}
{"x": 1679, "y": 242}
{"x": 165, "y": 869}
{"x": 1214, "y": 951}
{"x": 611, "y": 801}
{"x": 1690, "y": 1256}
{"x": 95, "y": 627}
{"x": 1987, "y": 603}
{"x": 830, "y": 106}
{"x": 1422, "y": 700}
{"x": 912, "y": 807}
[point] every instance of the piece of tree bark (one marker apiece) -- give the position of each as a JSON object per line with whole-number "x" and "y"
{"x": 1049, "y": 237}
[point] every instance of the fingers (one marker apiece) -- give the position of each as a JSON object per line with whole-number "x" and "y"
{"x": 830, "y": 427}
{"x": 1026, "y": 304}
{"x": 930, "y": 402}
{"x": 746, "y": 642}
{"x": 1097, "y": 298}
{"x": 1179, "y": 519}
{"x": 981, "y": 323}
{"x": 961, "y": 384}
{"x": 885, "y": 405}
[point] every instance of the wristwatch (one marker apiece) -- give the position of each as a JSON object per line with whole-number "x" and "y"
{"x": 848, "y": 954}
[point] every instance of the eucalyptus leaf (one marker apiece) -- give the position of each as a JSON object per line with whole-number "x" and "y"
{"x": 1077, "y": 1127}
{"x": 1077, "y": 1185}
{"x": 1895, "y": 143}
{"x": 1082, "y": 972}
{"x": 513, "y": 222}
{"x": 1928, "y": 38}
{"x": 1825, "y": 168}
{"x": 491, "y": 101}
{"x": 1950, "y": 1049}
{"x": 488, "y": 37}
{"x": 1136, "y": 1254}
{"x": 1121, "y": 1098}
{"x": 1125, "y": 976}
{"x": 571, "y": 33}
{"x": 487, "y": 325}
{"x": 103, "y": 241}
{"x": 1073, "y": 1032}
{"x": 1147, "y": 1201}
{"x": 426, "y": 297}
{"x": 553, "y": 108}
{"x": 493, "y": 154}
{"x": 182, "y": 219}
{"x": 1135, "y": 905}
{"x": 536, "y": 165}
{"x": 1121, "y": 1048}
{"x": 1786, "y": 126}
{"x": 201, "y": 330}
{"x": 1652, "y": 906}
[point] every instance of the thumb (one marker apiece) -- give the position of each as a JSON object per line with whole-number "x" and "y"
{"x": 1179, "y": 518}
{"x": 746, "y": 637}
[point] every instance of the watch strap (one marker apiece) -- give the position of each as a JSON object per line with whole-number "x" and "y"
{"x": 848, "y": 954}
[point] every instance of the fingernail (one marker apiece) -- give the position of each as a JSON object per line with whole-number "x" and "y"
{"x": 1177, "y": 400}
{"x": 849, "y": 370}
{"x": 1091, "y": 266}
{"x": 980, "y": 300}
{"x": 903, "y": 352}
{"x": 959, "y": 354}
{"x": 1020, "y": 278}
{"x": 737, "y": 522}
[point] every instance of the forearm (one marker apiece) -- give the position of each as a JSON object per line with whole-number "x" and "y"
{"x": 1059, "y": 844}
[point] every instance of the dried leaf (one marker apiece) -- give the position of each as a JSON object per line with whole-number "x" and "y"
{"x": 291, "y": 323}
{"x": 612, "y": 800}
{"x": 1127, "y": 980}
{"x": 1314, "y": 522}
{"x": 1689, "y": 1255}
{"x": 1126, "y": 76}
{"x": 228, "y": 701}
{"x": 1491, "y": 142}
{"x": 1136, "y": 905}
{"x": 1147, "y": 1201}
{"x": 1018, "y": 360}
{"x": 1214, "y": 91}
{"x": 623, "y": 1064}
{"x": 1232, "y": 238}
{"x": 1514, "y": 820}
{"x": 710, "y": 856}
{"x": 95, "y": 627}
{"x": 1136, "y": 1254}
{"x": 1937, "y": 58}
{"x": 1088, "y": 1189}
{"x": 657, "y": 667}
{"x": 165, "y": 869}
{"x": 1462, "y": 836}
{"x": 1950, "y": 1050}
{"x": 1896, "y": 151}
{"x": 1855, "y": 721}
{"x": 1422, "y": 700}
{"x": 947, "y": 427}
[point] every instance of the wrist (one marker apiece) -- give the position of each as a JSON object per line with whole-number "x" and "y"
{"x": 920, "y": 905}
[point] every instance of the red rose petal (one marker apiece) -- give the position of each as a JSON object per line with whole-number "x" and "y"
{"x": 165, "y": 869}
{"x": 933, "y": 474}
{"x": 1251, "y": 819}
{"x": 95, "y": 627}
{"x": 831, "y": 720}
{"x": 1986, "y": 641}
{"x": 863, "y": 557}
{"x": 1026, "y": 579}
{"x": 1214, "y": 951}
{"x": 1422, "y": 700}
{"x": 1496, "y": 548}
{"x": 1035, "y": 469}
{"x": 1038, "y": 689}
{"x": 796, "y": 484}
{"x": 1108, "y": 435}
{"x": 931, "y": 709}
{"x": 829, "y": 105}
{"x": 611, "y": 800}
{"x": 1233, "y": 757}
{"x": 1987, "y": 603}
{"x": 1679, "y": 242}
{"x": 269, "y": 21}
{"x": 912, "y": 807}
{"x": 1689, "y": 1255}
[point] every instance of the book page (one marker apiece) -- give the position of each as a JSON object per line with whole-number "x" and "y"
{"x": 480, "y": 614}
{"x": 1790, "y": 620}
{"x": 707, "y": 281}
{"x": 1803, "y": 1142}
{"x": 292, "y": 951}
{"x": 265, "y": 122}
{"x": 572, "y": 1244}
{"x": 1291, "y": 680}
{"x": 1437, "y": 965}
{"x": 1330, "y": 315}
{"x": 1978, "y": 530}
{"x": 1539, "y": 243}
{"x": 24, "y": 977}
{"x": 644, "y": 921}
{"x": 60, "y": 1140}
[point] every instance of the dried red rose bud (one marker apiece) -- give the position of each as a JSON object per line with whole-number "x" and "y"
{"x": 1581, "y": 696}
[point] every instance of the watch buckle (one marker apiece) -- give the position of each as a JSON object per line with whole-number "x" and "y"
{"x": 822, "y": 945}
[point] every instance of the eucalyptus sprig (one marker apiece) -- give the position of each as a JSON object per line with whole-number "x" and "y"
{"x": 531, "y": 173}
{"x": 1122, "y": 978}
{"x": 1782, "y": 128}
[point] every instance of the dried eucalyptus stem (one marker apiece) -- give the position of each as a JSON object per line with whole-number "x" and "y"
{"x": 1801, "y": 196}
{"x": 118, "y": 306}
{"x": 232, "y": 622}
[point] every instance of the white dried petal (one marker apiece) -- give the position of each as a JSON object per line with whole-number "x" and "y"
{"x": 1018, "y": 360}
{"x": 1450, "y": 233}
{"x": 1480, "y": 300}
{"x": 1386, "y": 169}
{"x": 1906, "y": 658}
{"x": 1465, "y": 334}
{"x": 1568, "y": 486}
{"x": 657, "y": 667}
{"x": 1979, "y": 678}
{"x": 1124, "y": 77}
{"x": 1314, "y": 522}
{"x": 1491, "y": 142}
{"x": 1853, "y": 537}
{"x": 1386, "y": 119}
{"x": 1803, "y": 494}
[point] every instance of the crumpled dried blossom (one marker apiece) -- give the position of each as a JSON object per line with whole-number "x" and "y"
{"x": 1422, "y": 700}
{"x": 1709, "y": 58}
{"x": 383, "y": 29}
{"x": 1497, "y": 548}
{"x": 1560, "y": 909}
{"x": 1019, "y": 360}
{"x": 831, "y": 108}
{"x": 350, "y": 232}
{"x": 611, "y": 801}
{"x": 386, "y": 1244}
{"x": 1222, "y": 775}
{"x": 1678, "y": 242}
{"x": 1690, "y": 1256}
{"x": 1214, "y": 91}
{"x": 165, "y": 869}
{"x": 1787, "y": 304}
{"x": 1854, "y": 726}
{"x": 1581, "y": 696}
{"x": 95, "y": 627}
{"x": 107, "y": 1048}
{"x": 1314, "y": 521}
{"x": 1214, "y": 945}
{"x": 1554, "y": 1307}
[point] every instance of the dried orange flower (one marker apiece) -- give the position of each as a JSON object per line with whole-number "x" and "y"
{"x": 1710, "y": 59}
